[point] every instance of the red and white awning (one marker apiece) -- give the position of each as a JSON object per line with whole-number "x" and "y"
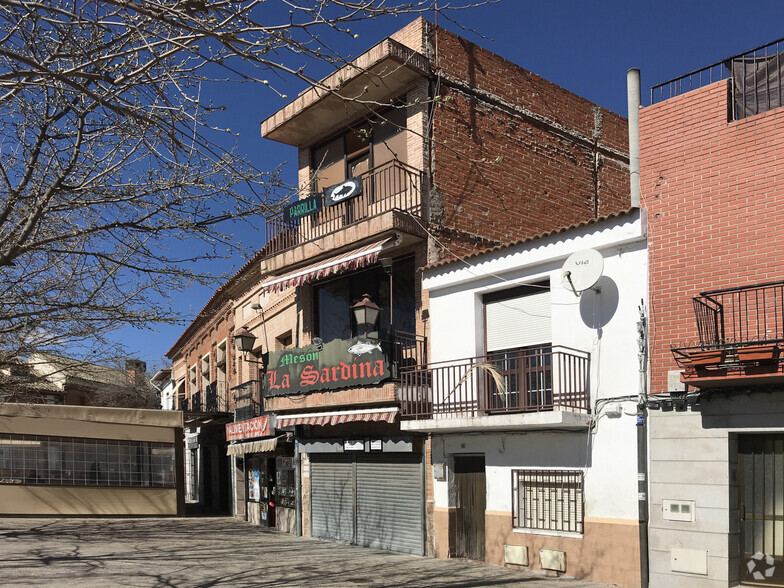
{"x": 386, "y": 415}
{"x": 351, "y": 260}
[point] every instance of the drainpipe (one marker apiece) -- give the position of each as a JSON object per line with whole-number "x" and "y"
{"x": 297, "y": 487}
{"x": 633, "y": 100}
{"x": 642, "y": 444}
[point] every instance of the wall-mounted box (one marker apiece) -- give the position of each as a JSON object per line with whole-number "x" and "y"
{"x": 678, "y": 510}
{"x": 689, "y": 561}
{"x": 552, "y": 559}
{"x": 516, "y": 555}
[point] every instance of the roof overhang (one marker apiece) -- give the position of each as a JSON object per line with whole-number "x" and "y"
{"x": 376, "y": 76}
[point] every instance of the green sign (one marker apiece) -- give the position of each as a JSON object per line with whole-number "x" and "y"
{"x": 302, "y": 208}
{"x": 339, "y": 364}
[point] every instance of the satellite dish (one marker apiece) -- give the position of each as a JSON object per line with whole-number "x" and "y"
{"x": 582, "y": 270}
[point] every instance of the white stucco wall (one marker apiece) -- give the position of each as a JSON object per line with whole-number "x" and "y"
{"x": 603, "y": 323}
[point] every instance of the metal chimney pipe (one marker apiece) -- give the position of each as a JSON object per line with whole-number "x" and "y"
{"x": 633, "y": 98}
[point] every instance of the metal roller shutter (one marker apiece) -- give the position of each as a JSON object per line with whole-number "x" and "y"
{"x": 390, "y": 502}
{"x": 332, "y": 498}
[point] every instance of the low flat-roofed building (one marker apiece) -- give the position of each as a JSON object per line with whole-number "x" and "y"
{"x": 94, "y": 461}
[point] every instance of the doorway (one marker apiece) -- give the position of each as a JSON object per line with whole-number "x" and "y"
{"x": 470, "y": 501}
{"x": 761, "y": 481}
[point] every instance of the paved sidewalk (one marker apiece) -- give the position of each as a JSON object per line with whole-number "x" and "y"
{"x": 206, "y": 551}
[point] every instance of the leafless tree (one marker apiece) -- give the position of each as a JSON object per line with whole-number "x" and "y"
{"x": 113, "y": 174}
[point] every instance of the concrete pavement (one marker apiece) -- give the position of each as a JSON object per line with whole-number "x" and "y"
{"x": 220, "y": 551}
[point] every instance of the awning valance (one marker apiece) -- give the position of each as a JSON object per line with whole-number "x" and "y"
{"x": 350, "y": 260}
{"x": 386, "y": 415}
{"x": 257, "y": 446}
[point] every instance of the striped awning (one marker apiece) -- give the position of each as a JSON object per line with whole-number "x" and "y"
{"x": 351, "y": 260}
{"x": 386, "y": 415}
{"x": 257, "y": 446}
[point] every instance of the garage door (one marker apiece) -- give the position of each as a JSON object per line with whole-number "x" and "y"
{"x": 388, "y": 511}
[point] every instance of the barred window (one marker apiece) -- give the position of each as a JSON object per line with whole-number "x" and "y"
{"x": 63, "y": 461}
{"x": 548, "y": 500}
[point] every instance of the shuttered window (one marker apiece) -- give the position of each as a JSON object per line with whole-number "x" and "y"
{"x": 520, "y": 321}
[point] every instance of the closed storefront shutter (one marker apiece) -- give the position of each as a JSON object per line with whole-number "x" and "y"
{"x": 387, "y": 510}
{"x": 332, "y": 498}
{"x": 389, "y": 503}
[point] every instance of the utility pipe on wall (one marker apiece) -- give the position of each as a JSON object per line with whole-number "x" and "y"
{"x": 633, "y": 102}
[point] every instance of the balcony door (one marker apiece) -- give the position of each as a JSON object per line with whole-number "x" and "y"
{"x": 518, "y": 338}
{"x": 761, "y": 469}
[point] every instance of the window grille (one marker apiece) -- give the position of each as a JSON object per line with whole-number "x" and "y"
{"x": 548, "y": 500}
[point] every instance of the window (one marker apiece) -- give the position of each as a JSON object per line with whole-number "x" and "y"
{"x": 518, "y": 343}
{"x": 548, "y": 500}
{"x": 63, "y": 461}
{"x": 364, "y": 146}
{"x": 333, "y": 300}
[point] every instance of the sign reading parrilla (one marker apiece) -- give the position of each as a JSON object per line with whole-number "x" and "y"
{"x": 302, "y": 208}
{"x": 339, "y": 364}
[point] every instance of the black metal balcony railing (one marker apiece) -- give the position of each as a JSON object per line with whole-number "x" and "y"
{"x": 533, "y": 379}
{"x": 216, "y": 399}
{"x": 735, "y": 319}
{"x": 184, "y": 404}
{"x": 756, "y": 80}
{"x": 405, "y": 351}
{"x": 248, "y": 402}
{"x": 195, "y": 402}
{"x": 393, "y": 185}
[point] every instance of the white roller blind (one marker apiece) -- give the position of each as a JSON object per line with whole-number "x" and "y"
{"x": 518, "y": 322}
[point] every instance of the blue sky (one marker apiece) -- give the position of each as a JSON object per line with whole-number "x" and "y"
{"x": 586, "y": 47}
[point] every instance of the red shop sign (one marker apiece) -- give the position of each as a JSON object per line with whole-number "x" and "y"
{"x": 256, "y": 427}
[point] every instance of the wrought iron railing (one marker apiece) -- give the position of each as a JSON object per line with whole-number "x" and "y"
{"x": 532, "y": 379}
{"x": 216, "y": 398}
{"x": 732, "y": 321}
{"x": 248, "y": 402}
{"x": 756, "y": 80}
{"x": 393, "y": 185}
{"x": 195, "y": 402}
{"x": 405, "y": 351}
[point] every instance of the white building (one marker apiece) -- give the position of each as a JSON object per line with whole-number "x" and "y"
{"x": 534, "y": 436}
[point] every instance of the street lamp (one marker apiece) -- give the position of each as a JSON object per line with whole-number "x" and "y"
{"x": 365, "y": 313}
{"x": 244, "y": 339}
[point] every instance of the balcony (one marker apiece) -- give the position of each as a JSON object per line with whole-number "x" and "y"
{"x": 247, "y": 400}
{"x": 530, "y": 387}
{"x": 741, "y": 335}
{"x": 386, "y": 189}
{"x": 216, "y": 399}
{"x": 755, "y": 80}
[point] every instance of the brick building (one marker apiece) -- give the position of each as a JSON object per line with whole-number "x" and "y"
{"x": 712, "y": 180}
{"x": 468, "y": 151}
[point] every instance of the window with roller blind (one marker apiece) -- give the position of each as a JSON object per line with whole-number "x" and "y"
{"x": 519, "y": 346}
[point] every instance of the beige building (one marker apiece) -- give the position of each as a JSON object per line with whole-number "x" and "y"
{"x": 89, "y": 461}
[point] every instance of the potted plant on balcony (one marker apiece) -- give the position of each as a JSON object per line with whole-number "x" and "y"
{"x": 766, "y": 352}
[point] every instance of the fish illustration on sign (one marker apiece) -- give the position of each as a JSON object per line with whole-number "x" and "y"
{"x": 362, "y": 347}
{"x": 343, "y": 191}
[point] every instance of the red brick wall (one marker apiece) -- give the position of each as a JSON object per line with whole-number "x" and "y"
{"x": 502, "y": 175}
{"x": 714, "y": 191}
